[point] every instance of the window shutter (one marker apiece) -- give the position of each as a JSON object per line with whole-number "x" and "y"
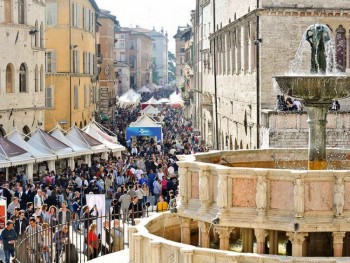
{"x": 79, "y": 15}
{"x": 54, "y": 14}
{"x": 78, "y": 62}
{"x": 48, "y": 97}
{"x": 53, "y": 62}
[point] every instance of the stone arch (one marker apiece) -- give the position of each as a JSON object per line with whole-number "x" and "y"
{"x": 241, "y": 145}
{"x": 23, "y": 78}
{"x": 340, "y": 47}
{"x": 81, "y": 125}
{"x": 10, "y": 78}
{"x": 85, "y": 123}
{"x": 245, "y": 123}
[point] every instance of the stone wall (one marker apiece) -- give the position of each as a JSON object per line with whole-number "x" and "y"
{"x": 290, "y": 130}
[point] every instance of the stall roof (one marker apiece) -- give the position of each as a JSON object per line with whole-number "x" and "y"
{"x": 150, "y": 110}
{"x": 47, "y": 141}
{"x": 17, "y": 137}
{"x": 151, "y": 101}
{"x": 145, "y": 121}
{"x": 129, "y": 97}
{"x": 14, "y": 154}
{"x": 95, "y": 131}
{"x": 78, "y": 147}
{"x": 74, "y": 133}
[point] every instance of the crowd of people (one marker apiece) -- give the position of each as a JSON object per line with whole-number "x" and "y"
{"x": 145, "y": 175}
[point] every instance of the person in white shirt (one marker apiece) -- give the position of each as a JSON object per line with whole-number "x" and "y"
{"x": 160, "y": 174}
{"x": 138, "y": 173}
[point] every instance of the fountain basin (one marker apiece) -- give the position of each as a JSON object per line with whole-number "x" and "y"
{"x": 315, "y": 89}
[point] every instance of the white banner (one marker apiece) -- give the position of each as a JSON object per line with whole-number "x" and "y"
{"x": 100, "y": 202}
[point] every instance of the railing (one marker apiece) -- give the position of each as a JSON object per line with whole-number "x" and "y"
{"x": 55, "y": 244}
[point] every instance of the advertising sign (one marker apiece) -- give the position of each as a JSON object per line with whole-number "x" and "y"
{"x": 100, "y": 202}
{"x": 144, "y": 131}
{"x": 2, "y": 213}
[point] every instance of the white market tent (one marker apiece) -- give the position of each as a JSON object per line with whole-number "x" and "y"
{"x": 152, "y": 101}
{"x": 163, "y": 100}
{"x": 96, "y": 131}
{"x": 76, "y": 134}
{"x": 78, "y": 147}
{"x": 150, "y": 110}
{"x": 42, "y": 140}
{"x": 40, "y": 156}
{"x": 144, "y": 89}
{"x": 131, "y": 97}
{"x": 13, "y": 155}
{"x": 176, "y": 99}
{"x": 145, "y": 121}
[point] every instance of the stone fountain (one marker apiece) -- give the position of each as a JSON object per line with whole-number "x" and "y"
{"x": 316, "y": 90}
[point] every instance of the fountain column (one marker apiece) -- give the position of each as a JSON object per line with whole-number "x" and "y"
{"x": 317, "y": 114}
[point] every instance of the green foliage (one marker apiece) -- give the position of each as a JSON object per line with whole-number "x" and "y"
{"x": 171, "y": 67}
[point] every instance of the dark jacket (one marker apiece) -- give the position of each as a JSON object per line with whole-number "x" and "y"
{"x": 6, "y": 236}
{"x": 24, "y": 225}
{"x": 68, "y": 216}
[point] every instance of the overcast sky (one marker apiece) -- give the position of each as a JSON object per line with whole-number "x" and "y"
{"x": 168, "y": 14}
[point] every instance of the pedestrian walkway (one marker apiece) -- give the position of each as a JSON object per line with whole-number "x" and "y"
{"x": 120, "y": 257}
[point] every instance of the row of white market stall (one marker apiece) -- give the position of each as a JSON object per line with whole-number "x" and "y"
{"x": 55, "y": 149}
{"x": 131, "y": 97}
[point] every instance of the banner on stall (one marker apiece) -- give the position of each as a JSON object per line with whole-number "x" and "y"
{"x": 100, "y": 202}
{"x": 3, "y": 213}
{"x": 144, "y": 131}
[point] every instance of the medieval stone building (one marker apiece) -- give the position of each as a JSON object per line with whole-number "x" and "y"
{"x": 238, "y": 47}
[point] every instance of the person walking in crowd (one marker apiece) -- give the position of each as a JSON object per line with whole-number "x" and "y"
{"x": 8, "y": 237}
{"x": 93, "y": 242}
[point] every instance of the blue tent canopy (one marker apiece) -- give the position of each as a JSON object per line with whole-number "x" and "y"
{"x": 144, "y": 131}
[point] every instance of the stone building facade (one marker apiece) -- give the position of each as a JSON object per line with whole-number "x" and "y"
{"x": 107, "y": 75}
{"x": 232, "y": 90}
{"x": 72, "y": 86}
{"x": 121, "y": 60}
{"x": 180, "y": 56}
{"x": 22, "y": 65}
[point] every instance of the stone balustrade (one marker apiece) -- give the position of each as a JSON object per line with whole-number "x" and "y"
{"x": 147, "y": 247}
{"x": 265, "y": 198}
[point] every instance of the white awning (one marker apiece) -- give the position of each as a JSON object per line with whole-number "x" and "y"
{"x": 76, "y": 134}
{"x": 110, "y": 142}
{"x": 17, "y": 138}
{"x": 43, "y": 140}
{"x": 79, "y": 148}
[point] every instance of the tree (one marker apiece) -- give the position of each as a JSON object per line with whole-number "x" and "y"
{"x": 155, "y": 73}
{"x": 171, "y": 67}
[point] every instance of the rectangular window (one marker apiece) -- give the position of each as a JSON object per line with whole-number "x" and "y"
{"x": 122, "y": 36}
{"x": 49, "y": 98}
{"x": 78, "y": 16}
{"x": 76, "y": 61}
{"x": 50, "y": 61}
{"x": 182, "y": 49}
{"x": 91, "y": 63}
{"x": 76, "y": 97}
{"x": 51, "y": 14}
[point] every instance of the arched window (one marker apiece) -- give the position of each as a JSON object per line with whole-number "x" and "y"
{"x": 9, "y": 79}
{"x": 42, "y": 35}
{"x": 23, "y": 78}
{"x": 8, "y": 11}
{"x": 36, "y": 79}
{"x": 340, "y": 44}
{"x": 42, "y": 76}
{"x": 21, "y": 19}
{"x": 36, "y": 36}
